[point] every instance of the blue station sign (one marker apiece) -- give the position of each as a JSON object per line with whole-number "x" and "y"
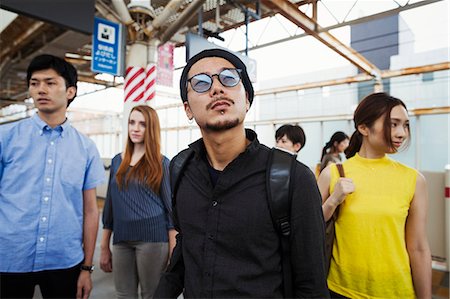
{"x": 108, "y": 47}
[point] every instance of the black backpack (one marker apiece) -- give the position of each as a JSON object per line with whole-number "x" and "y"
{"x": 281, "y": 167}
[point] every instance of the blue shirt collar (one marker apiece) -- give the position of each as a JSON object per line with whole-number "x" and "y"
{"x": 43, "y": 126}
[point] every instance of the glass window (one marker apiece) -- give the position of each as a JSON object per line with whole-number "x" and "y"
{"x": 433, "y": 147}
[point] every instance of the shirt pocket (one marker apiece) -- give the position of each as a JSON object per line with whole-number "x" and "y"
{"x": 73, "y": 173}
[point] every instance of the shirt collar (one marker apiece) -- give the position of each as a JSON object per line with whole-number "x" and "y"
{"x": 43, "y": 126}
{"x": 199, "y": 146}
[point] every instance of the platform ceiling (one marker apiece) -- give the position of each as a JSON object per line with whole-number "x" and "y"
{"x": 26, "y": 37}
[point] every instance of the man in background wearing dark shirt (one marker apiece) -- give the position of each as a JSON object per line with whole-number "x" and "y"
{"x": 227, "y": 245}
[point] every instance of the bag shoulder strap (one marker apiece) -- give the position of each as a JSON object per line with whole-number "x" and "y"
{"x": 341, "y": 171}
{"x": 176, "y": 169}
{"x": 278, "y": 183}
{"x": 280, "y": 169}
{"x": 177, "y": 166}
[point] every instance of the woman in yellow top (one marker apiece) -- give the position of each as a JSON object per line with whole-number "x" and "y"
{"x": 380, "y": 248}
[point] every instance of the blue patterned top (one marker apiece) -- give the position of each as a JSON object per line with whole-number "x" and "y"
{"x": 137, "y": 213}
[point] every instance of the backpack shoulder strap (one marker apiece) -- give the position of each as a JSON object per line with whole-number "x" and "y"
{"x": 280, "y": 169}
{"x": 176, "y": 168}
{"x": 278, "y": 182}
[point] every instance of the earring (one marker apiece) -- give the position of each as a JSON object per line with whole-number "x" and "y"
{"x": 191, "y": 120}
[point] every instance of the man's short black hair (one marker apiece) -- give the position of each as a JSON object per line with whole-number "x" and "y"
{"x": 59, "y": 65}
{"x": 293, "y": 133}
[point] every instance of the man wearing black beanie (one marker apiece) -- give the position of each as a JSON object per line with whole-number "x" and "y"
{"x": 233, "y": 59}
{"x": 227, "y": 246}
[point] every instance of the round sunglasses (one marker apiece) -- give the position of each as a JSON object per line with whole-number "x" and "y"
{"x": 227, "y": 77}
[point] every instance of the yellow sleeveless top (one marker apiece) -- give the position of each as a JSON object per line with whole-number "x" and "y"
{"x": 369, "y": 254}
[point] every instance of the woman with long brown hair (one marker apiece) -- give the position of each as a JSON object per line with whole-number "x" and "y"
{"x": 380, "y": 248}
{"x": 333, "y": 148}
{"x": 137, "y": 210}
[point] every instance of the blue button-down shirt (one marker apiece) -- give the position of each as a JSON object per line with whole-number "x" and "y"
{"x": 43, "y": 173}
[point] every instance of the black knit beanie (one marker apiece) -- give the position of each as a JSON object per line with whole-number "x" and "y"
{"x": 217, "y": 53}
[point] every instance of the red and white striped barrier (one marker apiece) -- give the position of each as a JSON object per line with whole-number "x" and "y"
{"x": 140, "y": 83}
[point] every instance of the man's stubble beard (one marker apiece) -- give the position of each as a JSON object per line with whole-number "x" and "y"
{"x": 222, "y": 125}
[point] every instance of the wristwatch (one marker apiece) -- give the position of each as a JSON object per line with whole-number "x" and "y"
{"x": 87, "y": 268}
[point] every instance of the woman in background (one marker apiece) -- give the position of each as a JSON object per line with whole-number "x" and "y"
{"x": 380, "y": 248}
{"x": 333, "y": 148}
{"x": 137, "y": 210}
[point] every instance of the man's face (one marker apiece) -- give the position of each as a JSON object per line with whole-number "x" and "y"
{"x": 49, "y": 92}
{"x": 220, "y": 108}
{"x": 285, "y": 143}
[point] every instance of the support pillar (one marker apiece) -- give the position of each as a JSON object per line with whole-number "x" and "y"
{"x": 140, "y": 78}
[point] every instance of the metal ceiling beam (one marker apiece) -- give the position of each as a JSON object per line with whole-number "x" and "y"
{"x": 89, "y": 79}
{"x": 360, "y": 78}
{"x": 383, "y": 14}
{"x": 416, "y": 70}
{"x": 292, "y": 13}
{"x": 106, "y": 11}
{"x": 122, "y": 10}
{"x": 170, "y": 9}
{"x": 21, "y": 40}
{"x": 188, "y": 13}
{"x": 19, "y": 97}
{"x": 305, "y": 2}
{"x": 351, "y": 22}
{"x": 211, "y": 15}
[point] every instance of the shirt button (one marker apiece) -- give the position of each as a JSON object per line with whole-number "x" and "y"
{"x": 44, "y": 219}
{"x": 214, "y": 203}
{"x": 49, "y": 161}
{"x": 46, "y": 198}
{"x": 41, "y": 239}
{"x": 40, "y": 132}
{"x": 211, "y": 237}
{"x": 207, "y": 274}
{"x": 48, "y": 179}
{"x": 52, "y": 143}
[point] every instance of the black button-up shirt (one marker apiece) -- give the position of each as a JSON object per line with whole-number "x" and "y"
{"x": 228, "y": 246}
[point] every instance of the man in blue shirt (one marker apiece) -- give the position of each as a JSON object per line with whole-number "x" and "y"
{"x": 48, "y": 175}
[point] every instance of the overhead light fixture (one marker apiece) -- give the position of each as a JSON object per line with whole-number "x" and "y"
{"x": 142, "y": 6}
{"x": 78, "y": 56}
{"x": 140, "y": 3}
